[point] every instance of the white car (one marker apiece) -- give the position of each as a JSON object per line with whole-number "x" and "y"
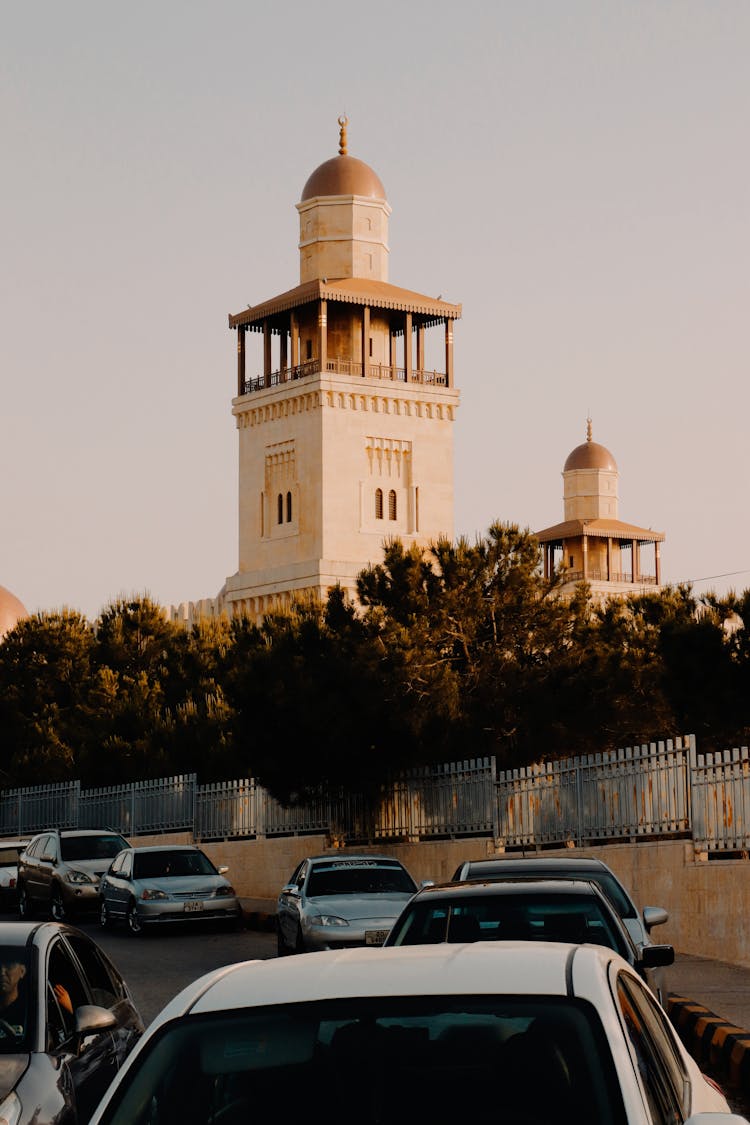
{"x": 523, "y": 1033}
{"x": 9, "y": 853}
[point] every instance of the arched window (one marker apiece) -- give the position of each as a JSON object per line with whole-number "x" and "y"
{"x": 288, "y": 507}
{"x": 378, "y": 503}
{"x": 391, "y": 505}
{"x": 280, "y": 509}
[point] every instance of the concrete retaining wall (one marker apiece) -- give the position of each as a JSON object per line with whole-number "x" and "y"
{"x": 708, "y": 903}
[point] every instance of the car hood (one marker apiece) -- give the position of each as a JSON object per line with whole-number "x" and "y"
{"x": 372, "y": 906}
{"x": 90, "y": 866}
{"x": 12, "y": 1067}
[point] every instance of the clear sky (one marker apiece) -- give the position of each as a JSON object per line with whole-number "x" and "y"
{"x": 575, "y": 172}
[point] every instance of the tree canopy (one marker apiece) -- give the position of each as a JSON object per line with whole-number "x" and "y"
{"x": 454, "y": 652}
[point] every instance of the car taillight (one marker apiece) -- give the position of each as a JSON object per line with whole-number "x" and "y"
{"x": 12, "y": 881}
{"x": 715, "y": 1085}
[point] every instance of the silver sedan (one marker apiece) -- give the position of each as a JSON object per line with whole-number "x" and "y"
{"x": 332, "y": 902}
{"x": 147, "y": 886}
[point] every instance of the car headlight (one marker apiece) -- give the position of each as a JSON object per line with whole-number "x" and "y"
{"x": 327, "y": 920}
{"x": 225, "y": 892}
{"x": 79, "y": 877}
{"x": 150, "y": 895}
{"x": 10, "y": 1109}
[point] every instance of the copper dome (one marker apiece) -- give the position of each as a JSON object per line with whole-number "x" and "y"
{"x": 11, "y": 610}
{"x": 344, "y": 175}
{"x": 590, "y": 455}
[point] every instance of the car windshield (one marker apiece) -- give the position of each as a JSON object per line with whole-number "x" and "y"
{"x": 15, "y": 1008}
{"x": 508, "y": 917}
{"x": 426, "y": 1058}
{"x": 90, "y": 847}
{"x": 355, "y": 878}
{"x": 171, "y": 864}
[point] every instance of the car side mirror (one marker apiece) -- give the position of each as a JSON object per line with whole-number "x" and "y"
{"x": 290, "y": 889}
{"x": 654, "y": 916}
{"x": 427, "y": 883}
{"x": 92, "y": 1019}
{"x": 222, "y": 870}
{"x": 656, "y": 956}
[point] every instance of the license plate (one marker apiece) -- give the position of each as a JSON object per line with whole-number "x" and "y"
{"x": 375, "y": 937}
{"x": 190, "y": 907}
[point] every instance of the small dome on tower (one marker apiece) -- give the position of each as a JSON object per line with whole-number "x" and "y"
{"x": 343, "y": 175}
{"x": 11, "y": 611}
{"x": 590, "y": 455}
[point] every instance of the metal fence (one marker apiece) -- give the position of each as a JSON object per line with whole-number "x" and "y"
{"x": 659, "y": 790}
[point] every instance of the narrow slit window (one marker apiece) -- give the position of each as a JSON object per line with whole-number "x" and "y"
{"x": 288, "y": 507}
{"x": 280, "y": 509}
{"x": 392, "y": 508}
{"x": 378, "y": 503}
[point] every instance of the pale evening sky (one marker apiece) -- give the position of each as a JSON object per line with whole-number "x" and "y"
{"x": 576, "y": 174}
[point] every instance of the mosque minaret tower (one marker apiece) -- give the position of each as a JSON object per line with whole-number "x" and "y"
{"x": 345, "y": 435}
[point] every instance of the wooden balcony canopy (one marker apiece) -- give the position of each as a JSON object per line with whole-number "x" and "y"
{"x": 427, "y": 311}
{"x": 600, "y": 528}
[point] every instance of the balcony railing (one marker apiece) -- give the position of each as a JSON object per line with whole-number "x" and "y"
{"x": 345, "y": 367}
{"x": 594, "y": 575}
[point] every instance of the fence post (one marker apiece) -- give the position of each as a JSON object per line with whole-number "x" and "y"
{"x": 692, "y": 769}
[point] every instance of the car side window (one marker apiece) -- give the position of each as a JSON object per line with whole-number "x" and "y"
{"x": 105, "y": 985}
{"x": 36, "y": 847}
{"x": 301, "y": 874}
{"x": 656, "y": 1060}
{"x": 126, "y": 867}
{"x": 65, "y": 992}
{"x": 51, "y": 847}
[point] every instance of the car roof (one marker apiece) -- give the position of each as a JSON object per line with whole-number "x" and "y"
{"x": 164, "y": 848}
{"x": 577, "y": 863}
{"x": 344, "y": 857}
{"x": 478, "y": 968}
{"x": 77, "y": 832}
{"x": 492, "y": 889}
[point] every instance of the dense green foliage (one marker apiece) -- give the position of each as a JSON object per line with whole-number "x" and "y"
{"x": 458, "y": 652}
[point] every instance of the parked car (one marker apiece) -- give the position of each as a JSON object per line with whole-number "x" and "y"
{"x": 59, "y": 871}
{"x": 521, "y": 1032}
{"x": 67, "y": 1022}
{"x": 540, "y": 910}
{"x": 9, "y": 853}
{"x": 147, "y": 886}
{"x": 638, "y": 923}
{"x": 336, "y": 901}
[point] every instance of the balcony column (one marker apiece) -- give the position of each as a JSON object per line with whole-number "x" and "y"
{"x": 585, "y": 556}
{"x": 609, "y": 559}
{"x": 420, "y": 348}
{"x": 266, "y": 353}
{"x": 294, "y": 333}
{"x": 323, "y": 334}
{"x": 283, "y": 353}
{"x": 241, "y": 361}
{"x": 365, "y": 339}
{"x": 633, "y": 553}
{"x": 657, "y": 562}
{"x": 448, "y": 352}
{"x": 407, "y": 347}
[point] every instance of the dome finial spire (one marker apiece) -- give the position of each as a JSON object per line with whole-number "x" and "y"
{"x": 343, "y": 122}
{"x": 588, "y": 428}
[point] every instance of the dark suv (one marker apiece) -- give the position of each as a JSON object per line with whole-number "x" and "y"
{"x": 59, "y": 871}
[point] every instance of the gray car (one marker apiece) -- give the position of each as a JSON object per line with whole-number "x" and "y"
{"x": 638, "y": 923}
{"x": 59, "y": 871}
{"x": 332, "y": 902}
{"x": 172, "y": 884}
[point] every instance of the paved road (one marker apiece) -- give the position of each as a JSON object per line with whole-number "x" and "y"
{"x": 157, "y": 966}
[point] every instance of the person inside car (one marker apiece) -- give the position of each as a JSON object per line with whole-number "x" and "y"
{"x": 12, "y": 1000}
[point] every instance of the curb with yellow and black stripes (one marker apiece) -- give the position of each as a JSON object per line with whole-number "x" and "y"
{"x": 712, "y": 1040}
